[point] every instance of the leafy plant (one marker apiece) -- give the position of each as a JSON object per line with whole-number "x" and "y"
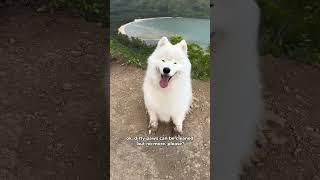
{"x": 135, "y": 51}
{"x": 291, "y": 28}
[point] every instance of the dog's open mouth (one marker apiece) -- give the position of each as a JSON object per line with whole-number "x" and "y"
{"x": 165, "y": 80}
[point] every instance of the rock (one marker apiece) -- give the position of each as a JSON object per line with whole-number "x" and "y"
{"x": 270, "y": 116}
{"x": 297, "y": 151}
{"x": 316, "y": 177}
{"x": 67, "y": 86}
{"x": 59, "y": 146}
{"x": 28, "y": 142}
{"x": 286, "y": 89}
{"x": 310, "y": 129}
{"x": 276, "y": 138}
{"x": 208, "y": 120}
{"x": 75, "y": 53}
{"x": 12, "y": 40}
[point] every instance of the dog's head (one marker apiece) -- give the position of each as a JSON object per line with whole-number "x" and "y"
{"x": 170, "y": 60}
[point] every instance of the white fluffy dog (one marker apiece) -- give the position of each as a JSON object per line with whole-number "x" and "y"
{"x": 167, "y": 85}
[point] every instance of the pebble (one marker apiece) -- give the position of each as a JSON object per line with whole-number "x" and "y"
{"x": 197, "y": 165}
{"x": 286, "y": 89}
{"x": 12, "y": 40}
{"x": 28, "y": 142}
{"x": 316, "y": 177}
{"x": 75, "y": 53}
{"x": 277, "y": 139}
{"x": 195, "y": 99}
{"x": 67, "y": 86}
{"x": 297, "y": 151}
{"x": 270, "y": 116}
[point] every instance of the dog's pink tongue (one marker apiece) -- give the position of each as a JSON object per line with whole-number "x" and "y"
{"x": 164, "y": 81}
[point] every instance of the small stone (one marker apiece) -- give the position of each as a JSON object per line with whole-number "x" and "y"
{"x": 67, "y": 86}
{"x": 286, "y": 89}
{"x": 270, "y": 116}
{"x": 12, "y": 40}
{"x": 60, "y": 145}
{"x": 316, "y": 177}
{"x": 310, "y": 129}
{"x": 276, "y": 139}
{"x": 195, "y": 99}
{"x": 75, "y": 53}
{"x": 297, "y": 151}
{"x": 197, "y": 165}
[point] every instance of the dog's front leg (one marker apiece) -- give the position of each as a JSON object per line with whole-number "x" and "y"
{"x": 153, "y": 122}
{"x": 178, "y": 122}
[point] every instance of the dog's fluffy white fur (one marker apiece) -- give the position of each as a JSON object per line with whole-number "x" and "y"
{"x": 168, "y": 96}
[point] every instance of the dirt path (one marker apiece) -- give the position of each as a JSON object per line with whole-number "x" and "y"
{"x": 128, "y": 119}
{"x": 291, "y": 150}
{"x": 52, "y": 97}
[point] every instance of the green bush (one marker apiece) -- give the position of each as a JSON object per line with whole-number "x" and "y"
{"x": 291, "y": 28}
{"x": 199, "y": 58}
{"x": 91, "y": 10}
{"x": 135, "y": 51}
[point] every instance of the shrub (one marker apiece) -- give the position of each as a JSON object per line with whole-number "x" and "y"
{"x": 291, "y": 28}
{"x": 135, "y": 51}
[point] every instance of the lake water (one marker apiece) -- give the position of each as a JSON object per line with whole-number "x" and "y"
{"x": 152, "y": 29}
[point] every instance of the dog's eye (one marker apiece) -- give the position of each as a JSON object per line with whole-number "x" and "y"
{"x": 174, "y": 63}
{"x": 162, "y": 60}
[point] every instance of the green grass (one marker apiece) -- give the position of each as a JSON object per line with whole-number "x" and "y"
{"x": 136, "y": 52}
{"x": 128, "y": 54}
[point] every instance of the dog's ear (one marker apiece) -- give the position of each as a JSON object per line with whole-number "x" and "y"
{"x": 183, "y": 45}
{"x": 163, "y": 41}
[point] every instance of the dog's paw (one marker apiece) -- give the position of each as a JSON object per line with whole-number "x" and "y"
{"x": 152, "y": 129}
{"x": 177, "y": 131}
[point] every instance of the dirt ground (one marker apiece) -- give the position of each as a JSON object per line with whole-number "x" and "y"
{"x": 52, "y": 111}
{"x": 128, "y": 119}
{"x": 52, "y": 97}
{"x": 291, "y": 148}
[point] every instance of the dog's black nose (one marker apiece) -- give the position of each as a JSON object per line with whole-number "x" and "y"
{"x": 166, "y": 70}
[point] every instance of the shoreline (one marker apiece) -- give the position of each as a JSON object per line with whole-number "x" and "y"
{"x": 153, "y": 41}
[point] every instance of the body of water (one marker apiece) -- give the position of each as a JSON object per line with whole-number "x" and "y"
{"x": 152, "y": 29}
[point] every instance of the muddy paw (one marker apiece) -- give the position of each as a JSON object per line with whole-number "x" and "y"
{"x": 176, "y": 132}
{"x": 152, "y": 130}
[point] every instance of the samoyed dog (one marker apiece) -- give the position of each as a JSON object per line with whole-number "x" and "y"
{"x": 167, "y": 85}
